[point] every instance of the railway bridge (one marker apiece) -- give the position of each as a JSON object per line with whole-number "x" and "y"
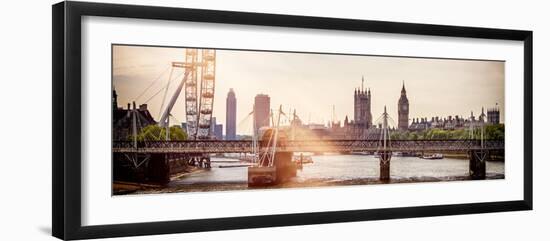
{"x": 272, "y": 156}
{"x": 343, "y": 146}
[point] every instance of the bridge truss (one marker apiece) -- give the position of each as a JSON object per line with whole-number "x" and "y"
{"x": 247, "y": 146}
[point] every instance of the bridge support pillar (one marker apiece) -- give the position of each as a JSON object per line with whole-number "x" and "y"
{"x": 477, "y": 164}
{"x": 205, "y": 162}
{"x": 385, "y": 157}
{"x": 264, "y": 175}
{"x": 157, "y": 170}
{"x": 202, "y": 161}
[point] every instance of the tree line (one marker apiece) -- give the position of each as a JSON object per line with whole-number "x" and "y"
{"x": 491, "y": 132}
{"x": 157, "y": 133}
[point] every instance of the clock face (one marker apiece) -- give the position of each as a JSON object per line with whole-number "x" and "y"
{"x": 404, "y": 107}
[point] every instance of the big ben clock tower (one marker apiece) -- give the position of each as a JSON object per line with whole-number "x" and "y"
{"x": 403, "y": 110}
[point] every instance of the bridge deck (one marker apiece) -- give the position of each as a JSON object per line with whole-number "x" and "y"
{"x": 213, "y": 146}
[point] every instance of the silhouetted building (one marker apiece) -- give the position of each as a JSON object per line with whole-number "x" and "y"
{"x": 493, "y": 115}
{"x": 448, "y": 123}
{"x": 123, "y": 119}
{"x": 362, "y": 114}
{"x": 403, "y": 110}
{"x": 361, "y": 124}
{"x": 482, "y": 115}
{"x": 114, "y": 99}
{"x": 230, "y": 116}
{"x": 216, "y": 130}
{"x": 261, "y": 111}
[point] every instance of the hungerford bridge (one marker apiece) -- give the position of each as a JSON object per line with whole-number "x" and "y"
{"x": 318, "y": 146}
{"x": 273, "y": 156}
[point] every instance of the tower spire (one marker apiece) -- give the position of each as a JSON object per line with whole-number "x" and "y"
{"x": 403, "y": 109}
{"x": 362, "y": 83}
{"x": 114, "y": 98}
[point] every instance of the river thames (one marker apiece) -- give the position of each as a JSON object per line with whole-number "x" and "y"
{"x": 330, "y": 170}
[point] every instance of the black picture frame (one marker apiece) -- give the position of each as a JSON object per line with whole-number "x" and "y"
{"x": 66, "y": 127}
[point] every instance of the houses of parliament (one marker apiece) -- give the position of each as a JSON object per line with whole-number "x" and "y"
{"x": 361, "y": 126}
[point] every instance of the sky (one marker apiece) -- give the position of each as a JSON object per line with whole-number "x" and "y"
{"x": 314, "y": 84}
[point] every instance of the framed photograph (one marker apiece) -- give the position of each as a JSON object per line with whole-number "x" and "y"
{"x": 170, "y": 120}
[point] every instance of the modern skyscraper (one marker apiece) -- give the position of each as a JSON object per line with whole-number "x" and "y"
{"x": 216, "y": 130}
{"x": 261, "y": 111}
{"x": 403, "y": 110}
{"x": 362, "y": 114}
{"x": 212, "y": 124}
{"x": 230, "y": 116}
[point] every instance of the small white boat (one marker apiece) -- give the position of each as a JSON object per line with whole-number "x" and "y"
{"x": 433, "y": 156}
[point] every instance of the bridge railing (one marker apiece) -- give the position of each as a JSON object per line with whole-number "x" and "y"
{"x": 246, "y": 146}
{"x": 199, "y": 146}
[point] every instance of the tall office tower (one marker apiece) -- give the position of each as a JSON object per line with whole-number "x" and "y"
{"x": 261, "y": 111}
{"x": 231, "y": 116}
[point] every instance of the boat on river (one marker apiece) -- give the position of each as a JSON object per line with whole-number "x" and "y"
{"x": 433, "y": 156}
{"x": 302, "y": 159}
